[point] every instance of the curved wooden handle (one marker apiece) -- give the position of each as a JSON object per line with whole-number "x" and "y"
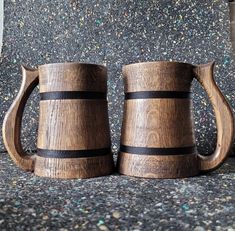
{"x": 224, "y": 118}
{"x": 12, "y": 121}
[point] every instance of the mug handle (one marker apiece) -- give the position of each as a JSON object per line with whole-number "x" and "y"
{"x": 12, "y": 121}
{"x": 224, "y": 118}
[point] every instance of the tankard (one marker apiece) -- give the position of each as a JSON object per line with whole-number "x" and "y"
{"x": 157, "y": 136}
{"x": 73, "y": 133}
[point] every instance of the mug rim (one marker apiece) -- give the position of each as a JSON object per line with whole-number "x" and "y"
{"x": 158, "y": 61}
{"x": 70, "y": 64}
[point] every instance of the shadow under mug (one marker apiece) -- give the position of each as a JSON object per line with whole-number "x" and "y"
{"x": 73, "y": 133}
{"x": 157, "y": 136}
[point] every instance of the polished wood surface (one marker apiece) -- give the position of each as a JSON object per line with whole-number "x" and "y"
{"x": 70, "y": 168}
{"x": 223, "y": 115}
{"x": 72, "y": 77}
{"x": 151, "y": 76}
{"x": 72, "y": 124}
{"x": 155, "y": 123}
{"x": 157, "y": 166}
{"x": 12, "y": 121}
{"x": 161, "y": 124}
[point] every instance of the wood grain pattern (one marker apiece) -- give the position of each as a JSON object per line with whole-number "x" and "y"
{"x": 12, "y": 121}
{"x": 72, "y": 77}
{"x": 155, "y": 123}
{"x": 152, "y": 124}
{"x": 158, "y": 166}
{"x": 223, "y": 115}
{"x": 71, "y": 125}
{"x": 150, "y": 76}
{"x": 71, "y": 168}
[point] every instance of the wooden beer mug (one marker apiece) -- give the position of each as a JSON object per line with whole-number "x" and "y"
{"x": 157, "y": 137}
{"x": 73, "y": 134}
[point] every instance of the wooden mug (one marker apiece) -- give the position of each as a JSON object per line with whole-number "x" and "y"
{"x": 157, "y": 137}
{"x": 73, "y": 133}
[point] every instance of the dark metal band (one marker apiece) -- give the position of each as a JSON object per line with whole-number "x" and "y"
{"x": 158, "y": 94}
{"x": 158, "y": 151}
{"x": 73, "y": 153}
{"x": 53, "y": 95}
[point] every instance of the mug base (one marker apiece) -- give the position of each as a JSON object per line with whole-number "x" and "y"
{"x": 74, "y": 168}
{"x": 156, "y": 166}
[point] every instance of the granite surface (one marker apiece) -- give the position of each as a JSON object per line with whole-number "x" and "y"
{"x": 116, "y": 202}
{"x": 115, "y": 33}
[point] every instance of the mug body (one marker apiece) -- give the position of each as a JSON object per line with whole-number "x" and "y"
{"x": 157, "y": 136}
{"x": 73, "y": 133}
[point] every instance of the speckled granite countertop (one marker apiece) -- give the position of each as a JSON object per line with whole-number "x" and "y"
{"x": 116, "y": 202}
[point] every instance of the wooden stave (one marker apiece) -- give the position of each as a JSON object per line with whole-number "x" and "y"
{"x": 135, "y": 80}
{"x": 66, "y": 84}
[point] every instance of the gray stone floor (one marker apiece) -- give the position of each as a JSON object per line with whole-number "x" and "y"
{"x": 116, "y": 202}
